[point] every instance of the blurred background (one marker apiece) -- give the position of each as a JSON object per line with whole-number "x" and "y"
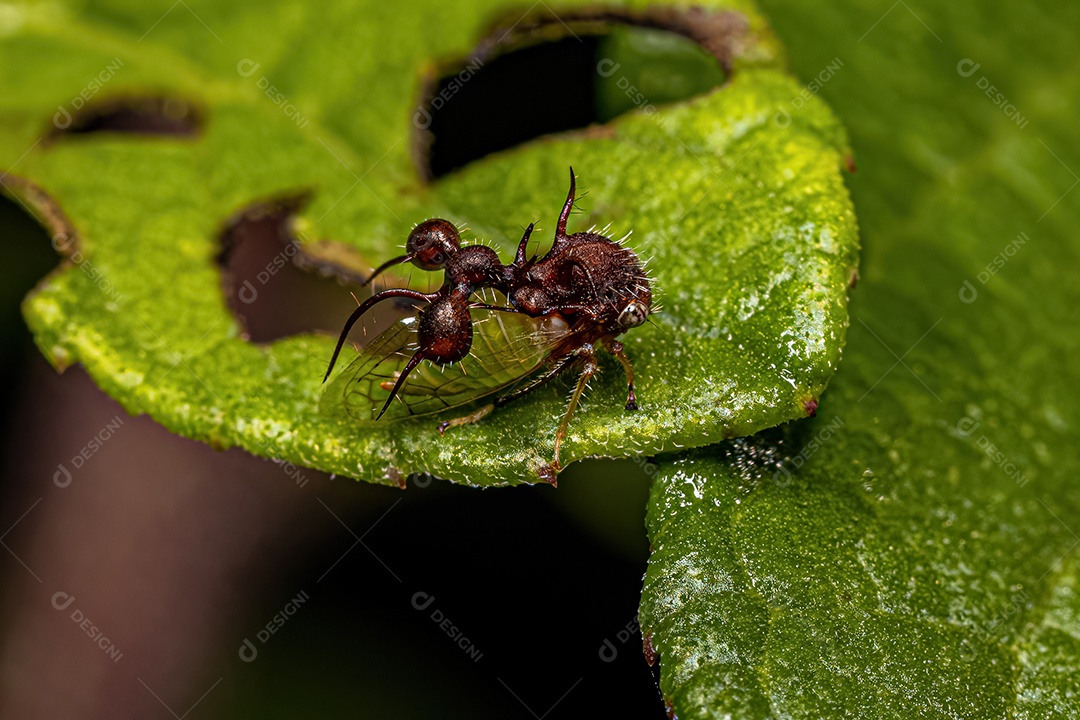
{"x": 146, "y": 575}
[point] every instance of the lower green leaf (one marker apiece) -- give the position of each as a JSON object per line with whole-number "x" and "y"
{"x": 912, "y": 550}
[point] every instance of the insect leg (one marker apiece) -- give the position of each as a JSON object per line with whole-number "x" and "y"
{"x": 560, "y": 365}
{"x": 589, "y": 369}
{"x": 485, "y": 306}
{"x": 413, "y": 362}
{"x": 363, "y": 308}
{"x": 469, "y": 419}
{"x": 560, "y": 229}
{"x": 616, "y": 348}
{"x": 484, "y": 411}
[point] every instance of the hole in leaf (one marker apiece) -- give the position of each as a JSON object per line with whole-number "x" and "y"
{"x": 140, "y": 115}
{"x": 277, "y": 288}
{"x": 486, "y": 105}
{"x": 532, "y": 81}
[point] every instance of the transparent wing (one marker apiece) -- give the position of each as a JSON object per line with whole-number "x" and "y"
{"x": 506, "y": 348}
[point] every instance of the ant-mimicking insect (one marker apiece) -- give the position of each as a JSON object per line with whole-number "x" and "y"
{"x": 586, "y": 291}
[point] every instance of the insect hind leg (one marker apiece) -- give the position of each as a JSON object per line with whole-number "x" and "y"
{"x": 469, "y": 419}
{"x": 560, "y": 365}
{"x": 486, "y": 410}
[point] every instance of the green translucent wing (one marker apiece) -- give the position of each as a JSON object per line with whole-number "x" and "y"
{"x": 506, "y": 348}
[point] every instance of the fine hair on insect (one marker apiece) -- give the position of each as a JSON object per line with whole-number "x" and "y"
{"x": 560, "y": 309}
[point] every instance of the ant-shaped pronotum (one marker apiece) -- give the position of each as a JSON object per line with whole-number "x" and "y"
{"x": 588, "y": 289}
{"x": 444, "y": 330}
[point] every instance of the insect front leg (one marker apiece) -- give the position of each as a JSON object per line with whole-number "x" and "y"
{"x": 616, "y": 348}
{"x": 363, "y": 308}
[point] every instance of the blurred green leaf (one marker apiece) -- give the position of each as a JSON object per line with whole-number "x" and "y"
{"x": 912, "y": 550}
{"x": 741, "y": 208}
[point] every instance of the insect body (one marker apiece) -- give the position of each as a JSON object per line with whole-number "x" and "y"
{"x": 595, "y": 285}
{"x": 444, "y": 328}
{"x": 583, "y": 293}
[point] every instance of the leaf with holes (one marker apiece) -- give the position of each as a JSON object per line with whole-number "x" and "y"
{"x": 736, "y": 196}
{"x": 912, "y": 551}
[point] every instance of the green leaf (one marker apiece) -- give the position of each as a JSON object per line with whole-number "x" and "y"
{"x": 743, "y": 212}
{"x": 912, "y": 550}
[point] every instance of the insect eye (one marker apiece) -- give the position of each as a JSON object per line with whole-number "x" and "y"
{"x": 438, "y": 258}
{"x": 632, "y": 315}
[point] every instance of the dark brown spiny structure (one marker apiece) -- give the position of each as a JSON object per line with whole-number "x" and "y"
{"x": 591, "y": 287}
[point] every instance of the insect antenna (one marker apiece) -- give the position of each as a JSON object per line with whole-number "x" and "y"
{"x": 363, "y": 308}
{"x": 388, "y": 264}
